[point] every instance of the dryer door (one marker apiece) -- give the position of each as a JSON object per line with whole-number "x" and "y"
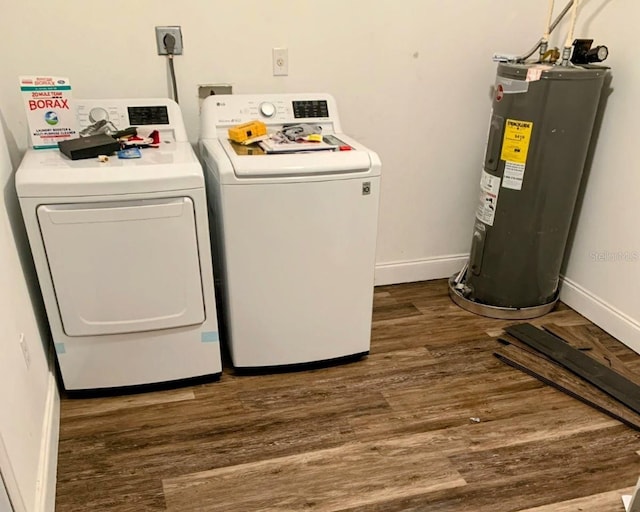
{"x": 122, "y": 267}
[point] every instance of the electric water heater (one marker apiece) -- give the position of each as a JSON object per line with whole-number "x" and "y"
{"x": 539, "y": 136}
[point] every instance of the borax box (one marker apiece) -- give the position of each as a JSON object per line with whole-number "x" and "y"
{"x": 47, "y": 100}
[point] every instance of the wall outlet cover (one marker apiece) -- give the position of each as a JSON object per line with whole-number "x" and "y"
{"x": 176, "y": 32}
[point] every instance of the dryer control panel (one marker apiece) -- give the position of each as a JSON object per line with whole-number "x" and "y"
{"x": 160, "y": 114}
{"x": 271, "y": 109}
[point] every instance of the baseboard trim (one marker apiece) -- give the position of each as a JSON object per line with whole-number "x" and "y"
{"x": 46, "y": 488}
{"x": 9, "y": 479}
{"x": 396, "y": 272}
{"x": 601, "y": 313}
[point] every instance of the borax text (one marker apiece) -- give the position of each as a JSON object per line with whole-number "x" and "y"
{"x": 57, "y": 103}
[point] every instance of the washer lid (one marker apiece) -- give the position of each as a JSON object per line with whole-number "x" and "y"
{"x": 48, "y": 173}
{"x": 307, "y": 163}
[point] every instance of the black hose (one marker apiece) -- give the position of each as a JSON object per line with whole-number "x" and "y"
{"x": 170, "y": 45}
{"x": 172, "y": 72}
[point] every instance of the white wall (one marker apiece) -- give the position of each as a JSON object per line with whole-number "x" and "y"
{"x": 412, "y": 80}
{"x": 28, "y": 396}
{"x": 602, "y": 279}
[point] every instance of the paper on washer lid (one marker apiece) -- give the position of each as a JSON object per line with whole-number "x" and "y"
{"x": 300, "y": 164}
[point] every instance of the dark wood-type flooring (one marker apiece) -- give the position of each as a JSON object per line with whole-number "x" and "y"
{"x": 429, "y": 421}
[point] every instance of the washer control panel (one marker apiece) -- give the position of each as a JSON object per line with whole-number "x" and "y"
{"x": 271, "y": 109}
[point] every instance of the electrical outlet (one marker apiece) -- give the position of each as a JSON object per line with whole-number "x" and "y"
{"x": 175, "y": 32}
{"x": 25, "y": 350}
{"x": 280, "y": 61}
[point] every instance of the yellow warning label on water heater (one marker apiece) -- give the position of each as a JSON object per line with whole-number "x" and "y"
{"x": 515, "y": 145}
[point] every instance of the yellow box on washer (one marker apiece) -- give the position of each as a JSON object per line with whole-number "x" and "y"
{"x": 246, "y": 131}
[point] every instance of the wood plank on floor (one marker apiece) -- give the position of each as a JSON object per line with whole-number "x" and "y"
{"x": 522, "y": 426}
{"x": 326, "y": 480}
{"x": 579, "y": 336}
{"x": 525, "y": 359}
{"x": 529, "y": 475}
{"x": 131, "y": 492}
{"x": 610, "y": 501}
{"x": 560, "y": 468}
{"x": 577, "y": 361}
{"x": 89, "y": 406}
{"x": 182, "y": 439}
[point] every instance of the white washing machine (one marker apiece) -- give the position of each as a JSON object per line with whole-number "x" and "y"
{"x": 122, "y": 254}
{"x": 294, "y": 235}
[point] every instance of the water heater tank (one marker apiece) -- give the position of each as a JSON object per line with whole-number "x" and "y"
{"x": 539, "y": 136}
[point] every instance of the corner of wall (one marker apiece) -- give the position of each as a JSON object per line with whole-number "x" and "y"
{"x": 425, "y": 269}
{"x": 46, "y": 487}
{"x": 601, "y": 313}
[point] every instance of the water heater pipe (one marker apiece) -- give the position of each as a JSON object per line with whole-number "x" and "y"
{"x": 574, "y": 17}
{"x": 566, "y": 52}
{"x": 544, "y": 44}
{"x": 552, "y": 27}
{"x": 548, "y": 29}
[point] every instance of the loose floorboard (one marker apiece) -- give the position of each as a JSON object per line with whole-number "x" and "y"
{"x": 429, "y": 421}
{"x": 524, "y": 358}
{"x": 581, "y": 338}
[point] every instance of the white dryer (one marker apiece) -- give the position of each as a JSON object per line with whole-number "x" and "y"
{"x": 121, "y": 249}
{"x": 294, "y": 235}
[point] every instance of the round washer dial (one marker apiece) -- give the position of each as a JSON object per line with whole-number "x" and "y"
{"x": 267, "y": 109}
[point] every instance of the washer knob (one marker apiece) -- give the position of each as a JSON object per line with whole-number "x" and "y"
{"x": 98, "y": 114}
{"x": 267, "y": 109}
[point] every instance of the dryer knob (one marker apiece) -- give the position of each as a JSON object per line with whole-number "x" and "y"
{"x": 267, "y": 109}
{"x": 98, "y": 114}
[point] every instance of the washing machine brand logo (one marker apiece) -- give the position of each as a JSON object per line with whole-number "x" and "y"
{"x": 220, "y": 104}
{"x": 51, "y": 118}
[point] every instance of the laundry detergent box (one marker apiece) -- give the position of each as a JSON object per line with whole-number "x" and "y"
{"x": 47, "y": 101}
